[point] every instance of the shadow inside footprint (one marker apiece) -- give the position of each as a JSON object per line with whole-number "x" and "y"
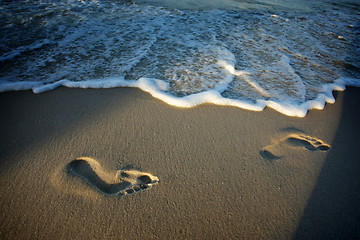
{"x": 126, "y": 182}
{"x": 144, "y": 179}
{"x": 269, "y": 156}
{"x": 84, "y": 170}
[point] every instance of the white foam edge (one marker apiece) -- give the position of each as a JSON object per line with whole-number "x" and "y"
{"x": 210, "y": 96}
{"x": 158, "y": 88}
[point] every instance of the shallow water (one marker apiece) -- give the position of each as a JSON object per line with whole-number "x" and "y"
{"x": 287, "y": 55}
{"x": 233, "y": 4}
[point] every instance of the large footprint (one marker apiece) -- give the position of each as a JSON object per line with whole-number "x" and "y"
{"x": 273, "y": 152}
{"x": 119, "y": 182}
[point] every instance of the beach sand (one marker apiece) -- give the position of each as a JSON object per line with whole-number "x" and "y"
{"x": 224, "y": 172}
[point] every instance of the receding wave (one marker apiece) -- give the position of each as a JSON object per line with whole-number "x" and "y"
{"x": 290, "y": 61}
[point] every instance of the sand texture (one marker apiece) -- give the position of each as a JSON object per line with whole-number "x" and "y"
{"x": 119, "y": 164}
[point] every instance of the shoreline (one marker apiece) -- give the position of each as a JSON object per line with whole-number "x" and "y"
{"x": 214, "y": 182}
{"x": 156, "y": 88}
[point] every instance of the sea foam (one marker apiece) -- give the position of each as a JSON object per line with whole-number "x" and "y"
{"x": 158, "y": 89}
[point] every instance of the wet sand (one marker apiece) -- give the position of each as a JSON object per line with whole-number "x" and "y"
{"x": 224, "y": 173}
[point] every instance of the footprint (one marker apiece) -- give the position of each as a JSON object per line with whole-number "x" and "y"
{"x": 307, "y": 142}
{"x": 273, "y": 152}
{"x": 121, "y": 182}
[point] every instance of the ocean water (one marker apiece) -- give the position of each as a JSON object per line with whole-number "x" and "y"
{"x": 285, "y": 54}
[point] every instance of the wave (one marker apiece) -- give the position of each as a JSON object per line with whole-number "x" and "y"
{"x": 290, "y": 61}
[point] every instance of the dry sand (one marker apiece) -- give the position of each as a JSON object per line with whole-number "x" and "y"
{"x": 225, "y": 173}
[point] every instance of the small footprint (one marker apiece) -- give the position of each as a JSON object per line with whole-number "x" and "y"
{"x": 273, "y": 152}
{"x": 121, "y": 182}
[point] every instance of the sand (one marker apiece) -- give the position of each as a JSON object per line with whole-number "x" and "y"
{"x": 224, "y": 173}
